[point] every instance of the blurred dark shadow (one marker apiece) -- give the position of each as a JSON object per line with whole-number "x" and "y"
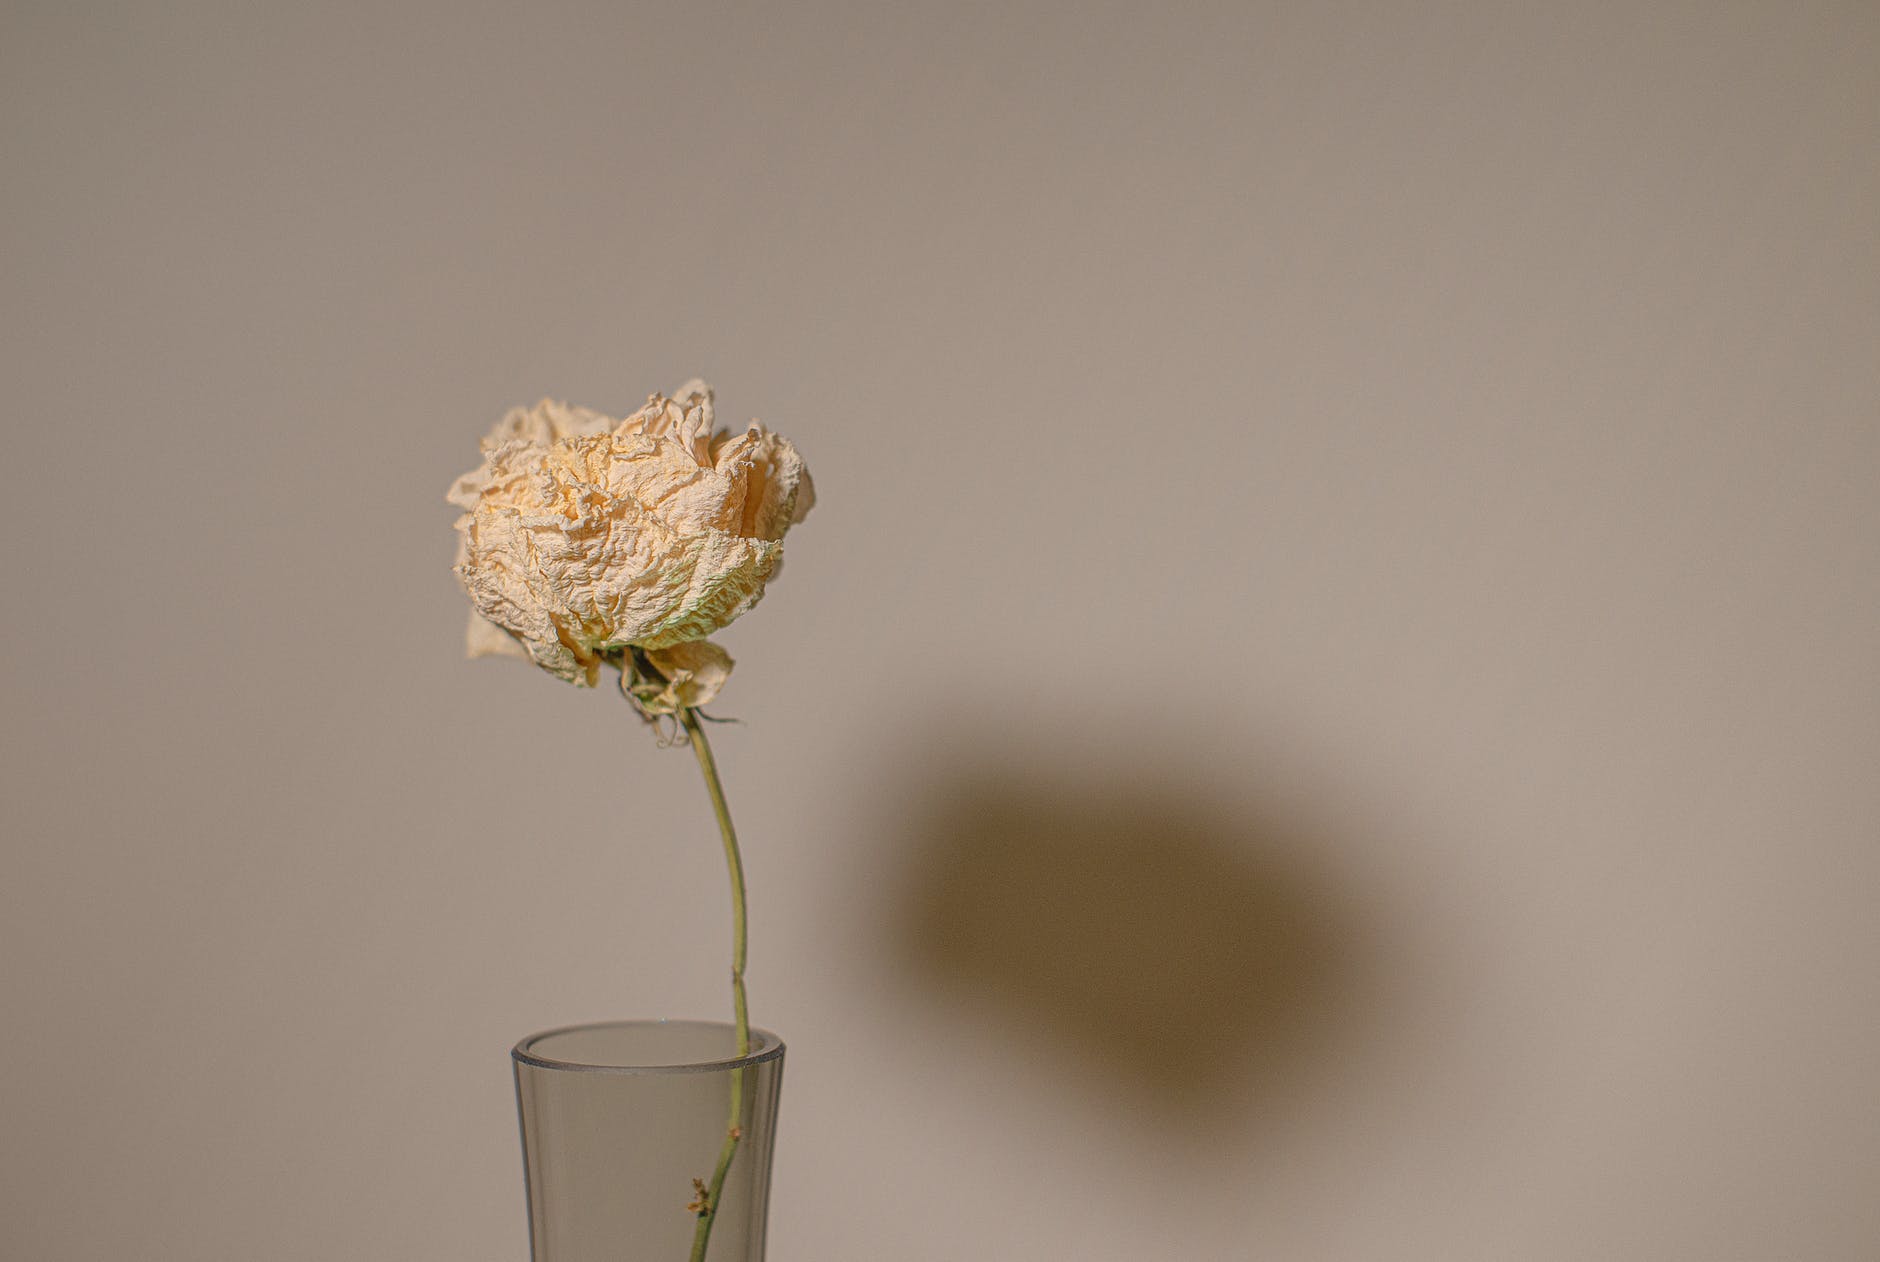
{"x": 1186, "y": 949}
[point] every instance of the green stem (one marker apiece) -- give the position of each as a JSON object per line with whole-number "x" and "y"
{"x": 734, "y": 1128}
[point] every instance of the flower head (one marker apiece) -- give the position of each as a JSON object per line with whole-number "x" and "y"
{"x": 582, "y": 536}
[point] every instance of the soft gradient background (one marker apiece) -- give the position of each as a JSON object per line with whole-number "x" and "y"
{"x": 1330, "y": 709}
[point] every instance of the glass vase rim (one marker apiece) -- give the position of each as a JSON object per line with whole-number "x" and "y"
{"x": 765, "y": 1046}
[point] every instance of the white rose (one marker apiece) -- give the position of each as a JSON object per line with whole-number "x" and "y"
{"x": 581, "y": 535}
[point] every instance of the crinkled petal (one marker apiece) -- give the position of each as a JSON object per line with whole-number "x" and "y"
{"x": 547, "y": 422}
{"x": 778, "y": 492}
{"x": 685, "y": 419}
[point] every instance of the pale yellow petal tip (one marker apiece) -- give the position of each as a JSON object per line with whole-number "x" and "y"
{"x": 483, "y": 638}
{"x": 582, "y": 535}
{"x": 690, "y": 676}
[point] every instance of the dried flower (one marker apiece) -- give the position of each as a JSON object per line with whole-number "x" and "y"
{"x": 582, "y": 536}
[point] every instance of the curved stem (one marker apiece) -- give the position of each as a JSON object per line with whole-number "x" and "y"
{"x": 734, "y": 1128}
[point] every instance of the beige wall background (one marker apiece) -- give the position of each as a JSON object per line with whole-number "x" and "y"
{"x": 1329, "y": 709}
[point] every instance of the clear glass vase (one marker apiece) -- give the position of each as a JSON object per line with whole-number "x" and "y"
{"x": 618, "y": 1119}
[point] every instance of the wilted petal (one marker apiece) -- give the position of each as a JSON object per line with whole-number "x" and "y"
{"x": 547, "y": 422}
{"x": 778, "y": 492}
{"x": 483, "y": 638}
{"x": 692, "y": 673}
